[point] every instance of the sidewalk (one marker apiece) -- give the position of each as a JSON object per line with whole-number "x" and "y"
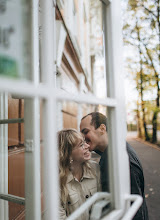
{"x": 149, "y": 155}
{"x": 133, "y": 135}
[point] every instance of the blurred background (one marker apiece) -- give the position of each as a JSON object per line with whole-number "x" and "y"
{"x": 141, "y": 36}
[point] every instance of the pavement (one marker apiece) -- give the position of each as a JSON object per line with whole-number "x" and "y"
{"x": 149, "y": 155}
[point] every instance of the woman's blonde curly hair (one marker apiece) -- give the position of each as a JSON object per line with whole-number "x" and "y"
{"x": 67, "y": 140}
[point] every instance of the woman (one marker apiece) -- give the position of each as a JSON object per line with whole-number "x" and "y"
{"x": 79, "y": 177}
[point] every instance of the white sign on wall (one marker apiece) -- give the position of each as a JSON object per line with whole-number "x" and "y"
{"x": 15, "y": 38}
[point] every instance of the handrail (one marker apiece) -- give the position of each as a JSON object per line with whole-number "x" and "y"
{"x": 100, "y": 209}
{"x": 12, "y": 121}
{"x": 137, "y": 201}
{"x": 88, "y": 203}
{"x": 12, "y": 198}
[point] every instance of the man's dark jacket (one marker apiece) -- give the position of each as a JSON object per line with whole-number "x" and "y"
{"x": 136, "y": 176}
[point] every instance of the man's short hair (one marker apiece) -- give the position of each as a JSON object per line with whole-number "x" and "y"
{"x": 97, "y": 119}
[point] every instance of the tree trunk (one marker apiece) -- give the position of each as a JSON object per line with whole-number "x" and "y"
{"x": 139, "y": 127}
{"x": 154, "y": 123}
{"x": 141, "y": 85}
{"x": 154, "y": 120}
{"x": 147, "y": 138}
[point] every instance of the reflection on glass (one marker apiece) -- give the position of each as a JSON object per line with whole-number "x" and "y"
{"x": 16, "y": 210}
{"x": 12, "y": 152}
{"x": 15, "y": 39}
{"x": 97, "y": 49}
{"x": 83, "y": 57}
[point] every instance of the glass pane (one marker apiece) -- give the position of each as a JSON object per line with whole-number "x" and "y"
{"x": 12, "y": 168}
{"x": 15, "y": 115}
{"x": 80, "y": 47}
{"x": 97, "y": 49}
{"x": 15, "y": 39}
{"x": 14, "y": 155}
{"x": 16, "y": 210}
{"x": 92, "y": 174}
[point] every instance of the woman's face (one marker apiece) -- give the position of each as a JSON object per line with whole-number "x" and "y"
{"x": 80, "y": 152}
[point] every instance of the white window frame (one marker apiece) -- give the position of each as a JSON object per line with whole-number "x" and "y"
{"x": 3, "y": 155}
{"x": 118, "y": 160}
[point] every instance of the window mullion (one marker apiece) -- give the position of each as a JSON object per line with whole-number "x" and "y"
{"x": 50, "y": 177}
{"x": 32, "y": 129}
{"x": 119, "y": 183}
{"x": 4, "y": 157}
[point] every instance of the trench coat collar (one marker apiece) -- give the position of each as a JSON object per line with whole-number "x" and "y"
{"x": 87, "y": 174}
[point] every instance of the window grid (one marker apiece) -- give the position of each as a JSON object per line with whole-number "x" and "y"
{"x": 51, "y": 95}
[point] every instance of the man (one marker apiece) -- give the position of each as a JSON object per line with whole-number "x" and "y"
{"x": 94, "y": 128}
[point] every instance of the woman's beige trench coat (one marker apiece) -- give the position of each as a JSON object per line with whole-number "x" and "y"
{"x": 79, "y": 192}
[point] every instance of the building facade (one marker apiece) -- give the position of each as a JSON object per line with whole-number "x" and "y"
{"x": 79, "y": 43}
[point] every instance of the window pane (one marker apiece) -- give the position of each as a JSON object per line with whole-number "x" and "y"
{"x": 15, "y": 115}
{"x": 15, "y": 39}
{"x": 80, "y": 47}
{"x": 16, "y": 210}
{"x": 20, "y": 146}
{"x": 12, "y": 167}
{"x": 77, "y": 188}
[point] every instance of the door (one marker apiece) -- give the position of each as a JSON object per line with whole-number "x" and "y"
{"x": 49, "y": 102}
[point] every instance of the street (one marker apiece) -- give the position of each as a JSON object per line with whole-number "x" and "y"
{"x": 149, "y": 156}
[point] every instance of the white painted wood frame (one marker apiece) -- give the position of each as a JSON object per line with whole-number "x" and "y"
{"x": 33, "y": 91}
{"x": 3, "y": 155}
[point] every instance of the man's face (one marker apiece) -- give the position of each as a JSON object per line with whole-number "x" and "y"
{"x": 92, "y": 135}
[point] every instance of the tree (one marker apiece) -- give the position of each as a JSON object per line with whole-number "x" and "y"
{"x": 142, "y": 30}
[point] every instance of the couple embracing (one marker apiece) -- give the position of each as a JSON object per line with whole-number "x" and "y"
{"x": 81, "y": 177}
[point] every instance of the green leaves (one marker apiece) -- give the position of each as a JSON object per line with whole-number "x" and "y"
{"x": 141, "y": 31}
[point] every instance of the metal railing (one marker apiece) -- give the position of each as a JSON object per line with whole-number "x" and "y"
{"x": 12, "y": 121}
{"x": 12, "y": 198}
